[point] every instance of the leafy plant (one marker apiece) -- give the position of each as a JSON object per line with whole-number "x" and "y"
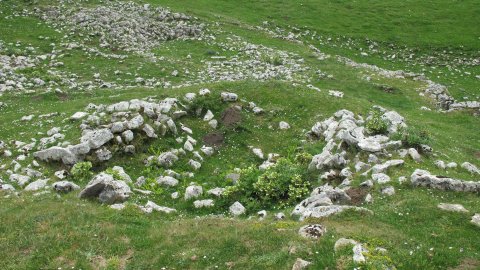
{"x": 375, "y": 124}
{"x": 282, "y": 184}
{"x": 81, "y": 171}
{"x": 412, "y": 137}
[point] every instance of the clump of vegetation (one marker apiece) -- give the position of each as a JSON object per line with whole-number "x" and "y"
{"x": 412, "y": 137}
{"x": 375, "y": 124}
{"x": 275, "y": 59}
{"x": 81, "y": 171}
{"x": 283, "y": 184}
{"x": 204, "y": 103}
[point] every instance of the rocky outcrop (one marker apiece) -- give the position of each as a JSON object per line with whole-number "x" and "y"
{"x": 422, "y": 178}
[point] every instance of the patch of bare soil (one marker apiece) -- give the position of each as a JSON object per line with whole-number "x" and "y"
{"x": 231, "y": 117}
{"x": 467, "y": 264}
{"x": 357, "y": 195}
{"x": 214, "y": 139}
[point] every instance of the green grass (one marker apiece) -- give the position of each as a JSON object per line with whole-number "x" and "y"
{"x": 48, "y": 232}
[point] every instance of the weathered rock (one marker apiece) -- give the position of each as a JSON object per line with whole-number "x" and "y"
{"x": 329, "y": 210}
{"x": 37, "y": 185}
{"x": 343, "y": 243}
{"x": 167, "y": 159}
{"x": 414, "y": 155}
{"x": 476, "y": 220}
{"x": 470, "y": 168}
{"x": 389, "y": 191}
{"x": 217, "y": 192}
{"x": 193, "y": 192}
{"x": 208, "y": 116}
{"x": 149, "y": 131}
{"x": 97, "y": 138}
{"x": 229, "y": 97}
{"x": 283, "y": 125}
{"x": 167, "y": 181}
{"x": 103, "y": 154}
{"x": 65, "y": 186}
{"x": 422, "y": 178}
{"x": 237, "y": 209}
{"x": 440, "y": 164}
{"x": 300, "y": 264}
{"x": 151, "y": 206}
{"x": 78, "y": 115}
{"x": 452, "y": 207}
{"x": 106, "y": 189}
{"x": 279, "y": 216}
{"x": 203, "y": 203}
{"x": 21, "y": 180}
{"x": 380, "y": 178}
{"x": 56, "y": 153}
{"x": 313, "y": 231}
{"x": 194, "y": 164}
{"x": 358, "y": 251}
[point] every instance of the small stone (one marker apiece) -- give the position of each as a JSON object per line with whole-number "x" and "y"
{"x": 279, "y": 216}
{"x": 262, "y": 214}
{"x": 368, "y": 198}
{"x": 343, "y": 243}
{"x": 193, "y": 192}
{"x": 283, "y": 125}
{"x": 380, "y": 178}
{"x": 167, "y": 181}
{"x": 203, "y": 203}
{"x": 389, "y": 191}
{"x": 37, "y": 185}
{"x": 414, "y": 155}
{"x": 452, "y": 207}
{"x": 476, "y": 220}
{"x": 300, "y": 264}
{"x": 229, "y": 97}
{"x": 313, "y": 231}
{"x": 237, "y": 209}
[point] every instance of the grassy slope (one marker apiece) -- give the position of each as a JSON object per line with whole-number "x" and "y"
{"x": 54, "y": 232}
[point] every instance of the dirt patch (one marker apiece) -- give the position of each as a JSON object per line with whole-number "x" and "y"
{"x": 63, "y": 96}
{"x": 214, "y": 139}
{"x": 477, "y": 155}
{"x": 387, "y": 89}
{"x": 124, "y": 259}
{"x": 357, "y": 195}
{"x": 231, "y": 117}
{"x": 467, "y": 264}
{"x": 37, "y": 98}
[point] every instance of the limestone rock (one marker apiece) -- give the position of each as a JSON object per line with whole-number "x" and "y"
{"x": 313, "y": 231}
{"x": 106, "y": 189}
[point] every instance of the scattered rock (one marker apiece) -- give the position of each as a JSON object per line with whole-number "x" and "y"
{"x": 65, "y": 186}
{"x": 300, "y": 264}
{"x": 237, "y": 209}
{"x": 313, "y": 231}
{"x": 452, "y": 207}
{"x": 106, "y": 189}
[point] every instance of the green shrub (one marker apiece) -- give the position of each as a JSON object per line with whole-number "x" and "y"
{"x": 282, "y": 185}
{"x": 81, "y": 171}
{"x": 205, "y": 103}
{"x": 412, "y": 137}
{"x": 275, "y": 60}
{"x": 375, "y": 124}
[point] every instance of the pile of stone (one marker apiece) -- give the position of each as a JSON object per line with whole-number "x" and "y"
{"x": 343, "y": 132}
{"x": 124, "y": 25}
{"x": 115, "y": 128}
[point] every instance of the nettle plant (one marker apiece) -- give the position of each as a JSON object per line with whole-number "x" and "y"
{"x": 81, "y": 171}
{"x": 281, "y": 185}
{"x": 375, "y": 124}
